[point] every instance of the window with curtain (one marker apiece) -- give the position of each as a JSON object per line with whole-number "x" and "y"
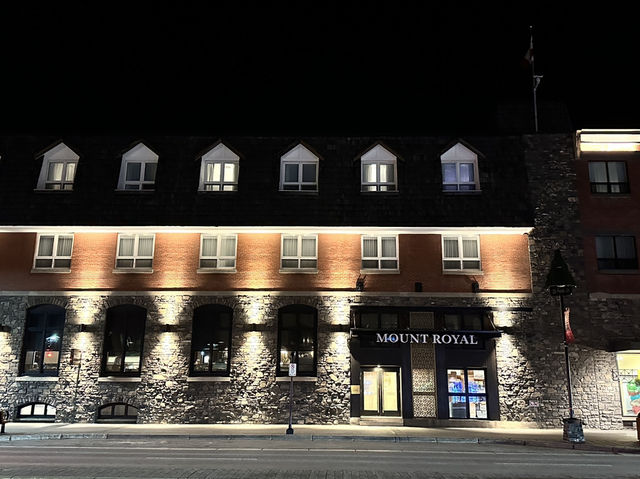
{"x": 378, "y": 170}
{"x": 459, "y": 169}
{"x": 460, "y": 253}
{"x": 297, "y": 339}
{"x": 58, "y": 168}
{"x": 608, "y": 177}
{"x": 53, "y": 252}
{"x": 380, "y": 252}
{"x": 138, "y": 169}
{"x": 219, "y": 170}
{"x": 218, "y": 252}
{"x": 211, "y": 340}
{"x": 123, "y": 341}
{"x": 299, "y": 252}
{"x": 42, "y": 341}
{"x": 616, "y": 252}
{"x": 135, "y": 251}
{"x": 299, "y": 170}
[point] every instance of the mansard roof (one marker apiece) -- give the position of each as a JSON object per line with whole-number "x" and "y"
{"x": 176, "y": 201}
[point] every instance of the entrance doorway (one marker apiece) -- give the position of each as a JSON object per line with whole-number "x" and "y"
{"x": 380, "y": 391}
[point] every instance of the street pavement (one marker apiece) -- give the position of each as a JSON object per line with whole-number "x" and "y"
{"x": 617, "y": 441}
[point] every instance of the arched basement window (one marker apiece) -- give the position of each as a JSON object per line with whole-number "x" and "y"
{"x": 118, "y": 412}
{"x": 297, "y": 339}
{"x": 36, "y": 412}
{"x": 211, "y": 340}
{"x": 42, "y": 340}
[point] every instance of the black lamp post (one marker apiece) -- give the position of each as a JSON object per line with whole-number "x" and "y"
{"x": 560, "y": 282}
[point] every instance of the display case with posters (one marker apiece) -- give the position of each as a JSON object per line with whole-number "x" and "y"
{"x": 629, "y": 380}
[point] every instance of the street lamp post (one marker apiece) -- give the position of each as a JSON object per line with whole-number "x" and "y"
{"x": 560, "y": 282}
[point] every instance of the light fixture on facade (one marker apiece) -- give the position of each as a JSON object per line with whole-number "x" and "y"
{"x": 360, "y": 283}
{"x": 475, "y": 287}
{"x": 168, "y": 328}
{"x": 4, "y": 328}
{"x": 82, "y": 328}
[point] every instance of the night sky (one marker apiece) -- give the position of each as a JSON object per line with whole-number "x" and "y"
{"x": 359, "y": 68}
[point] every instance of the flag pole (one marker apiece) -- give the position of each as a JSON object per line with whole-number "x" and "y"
{"x": 535, "y": 79}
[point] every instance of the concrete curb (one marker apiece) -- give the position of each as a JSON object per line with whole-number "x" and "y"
{"x": 311, "y": 437}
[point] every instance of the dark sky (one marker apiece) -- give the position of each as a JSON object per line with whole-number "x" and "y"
{"x": 301, "y": 68}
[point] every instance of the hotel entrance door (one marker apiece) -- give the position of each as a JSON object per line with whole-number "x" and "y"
{"x": 380, "y": 391}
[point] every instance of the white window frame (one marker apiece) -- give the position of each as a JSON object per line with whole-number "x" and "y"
{"x": 379, "y": 258}
{"x": 298, "y": 256}
{"x": 378, "y": 156}
{"x": 54, "y": 256}
{"x": 299, "y": 155}
{"x": 222, "y": 155}
{"x": 58, "y": 154}
{"x": 461, "y": 258}
{"x": 135, "y": 257}
{"x": 457, "y": 155}
{"x": 218, "y": 256}
{"x": 138, "y": 154}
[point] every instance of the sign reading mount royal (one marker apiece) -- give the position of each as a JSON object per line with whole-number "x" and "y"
{"x": 449, "y": 338}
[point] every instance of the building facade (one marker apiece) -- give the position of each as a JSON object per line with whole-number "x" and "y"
{"x": 175, "y": 279}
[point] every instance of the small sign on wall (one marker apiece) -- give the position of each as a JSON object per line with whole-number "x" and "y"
{"x": 293, "y": 369}
{"x": 355, "y": 389}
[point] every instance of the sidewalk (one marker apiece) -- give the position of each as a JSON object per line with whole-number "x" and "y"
{"x": 621, "y": 440}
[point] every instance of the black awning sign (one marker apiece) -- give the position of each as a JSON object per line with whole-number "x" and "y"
{"x": 427, "y": 338}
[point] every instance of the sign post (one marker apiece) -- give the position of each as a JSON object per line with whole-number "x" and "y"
{"x": 292, "y": 372}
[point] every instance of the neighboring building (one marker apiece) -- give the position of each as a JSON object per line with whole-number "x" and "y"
{"x": 174, "y": 279}
{"x": 608, "y": 179}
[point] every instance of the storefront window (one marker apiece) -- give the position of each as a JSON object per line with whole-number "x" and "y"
{"x": 297, "y": 339}
{"x": 467, "y": 393}
{"x": 211, "y": 340}
{"x": 629, "y": 379}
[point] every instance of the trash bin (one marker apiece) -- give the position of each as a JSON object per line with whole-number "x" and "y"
{"x": 572, "y": 430}
{"x": 4, "y": 418}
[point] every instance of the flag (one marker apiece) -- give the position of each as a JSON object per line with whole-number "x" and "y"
{"x": 568, "y": 334}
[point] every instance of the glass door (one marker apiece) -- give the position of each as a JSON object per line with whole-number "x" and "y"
{"x": 380, "y": 391}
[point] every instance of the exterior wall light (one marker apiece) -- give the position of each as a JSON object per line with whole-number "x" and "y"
{"x": 475, "y": 287}
{"x": 82, "y": 328}
{"x": 360, "y": 283}
{"x": 168, "y": 328}
{"x": 4, "y": 328}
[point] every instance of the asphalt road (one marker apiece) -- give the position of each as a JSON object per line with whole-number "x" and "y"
{"x": 238, "y": 459}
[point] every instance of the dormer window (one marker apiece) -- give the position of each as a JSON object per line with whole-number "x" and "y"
{"x": 138, "y": 169}
{"x": 219, "y": 170}
{"x": 379, "y": 170}
{"x": 299, "y": 170}
{"x": 460, "y": 169}
{"x": 58, "y": 168}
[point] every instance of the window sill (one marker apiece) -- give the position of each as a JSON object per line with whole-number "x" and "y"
{"x": 297, "y": 379}
{"x": 51, "y": 270}
{"x": 619, "y": 271}
{"x": 215, "y": 271}
{"x": 47, "y": 191}
{"x": 43, "y": 379}
{"x": 462, "y": 193}
{"x": 119, "y": 379}
{"x": 208, "y": 379}
{"x": 132, "y": 270}
{"x": 464, "y": 272}
{"x": 379, "y": 271}
{"x": 134, "y": 192}
{"x": 380, "y": 193}
{"x": 611, "y": 195}
{"x": 300, "y": 192}
{"x": 213, "y": 192}
{"x": 298, "y": 271}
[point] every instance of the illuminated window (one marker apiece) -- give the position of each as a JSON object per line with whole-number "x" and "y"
{"x": 608, "y": 177}
{"x": 464, "y": 322}
{"x": 380, "y": 252}
{"x": 629, "y": 382}
{"x": 218, "y": 252}
{"x": 297, "y": 339}
{"x": 461, "y": 253}
{"x": 36, "y": 412}
{"x": 123, "y": 339}
{"x": 467, "y": 393}
{"x": 135, "y": 251}
{"x": 138, "y": 169}
{"x": 378, "y": 170}
{"x": 42, "y": 341}
{"x": 211, "y": 340}
{"x": 459, "y": 169}
{"x": 219, "y": 170}
{"x": 299, "y": 170}
{"x": 378, "y": 320}
{"x": 118, "y": 413}
{"x": 299, "y": 252}
{"x": 616, "y": 252}
{"x": 58, "y": 168}
{"x": 53, "y": 252}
